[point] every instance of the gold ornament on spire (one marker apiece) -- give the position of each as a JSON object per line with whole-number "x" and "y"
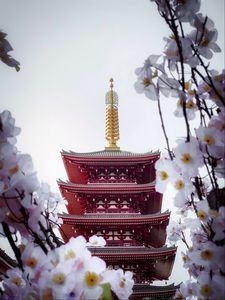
{"x": 112, "y": 120}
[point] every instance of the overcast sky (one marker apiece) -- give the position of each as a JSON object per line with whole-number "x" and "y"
{"x": 68, "y": 50}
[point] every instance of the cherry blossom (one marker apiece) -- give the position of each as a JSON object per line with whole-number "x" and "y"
{"x": 204, "y": 36}
{"x": 185, "y": 10}
{"x": 96, "y": 241}
{"x": 175, "y": 231}
{"x": 188, "y": 157}
{"x": 183, "y": 187}
{"x": 93, "y": 278}
{"x": 60, "y": 280}
{"x": 188, "y": 290}
{"x": 164, "y": 172}
{"x": 15, "y": 284}
{"x": 121, "y": 283}
{"x": 212, "y": 141}
{"x": 168, "y": 86}
{"x": 172, "y": 52}
{"x": 186, "y": 99}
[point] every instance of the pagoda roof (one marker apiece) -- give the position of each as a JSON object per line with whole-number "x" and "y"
{"x": 138, "y": 252}
{"x": 120, "y": 219}
{"x": 106, "y": 155}
{"x": 147, "y": 290}
{"x": 104, "y": 187}
{"x": 6, "y": 259}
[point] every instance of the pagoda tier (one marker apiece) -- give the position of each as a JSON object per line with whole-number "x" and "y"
{"x": 148, "y": 264}
{"x": 143, "y": 291}
{"x": 111, "y": 198}
{"x": 125, "y": 229}
{"x": 110, "y": 167}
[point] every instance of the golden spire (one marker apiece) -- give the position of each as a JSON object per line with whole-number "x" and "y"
{"x": 112, "y": 121}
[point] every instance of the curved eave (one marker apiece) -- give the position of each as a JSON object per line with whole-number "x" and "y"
{"x": 106, "y": 188}
{"x": 6, "y": 260}
{"x": 137, "y": 253}
{"x": 115, "y": 157}
{"x": 111, "y": 219}
{"x": 145, "y": 290}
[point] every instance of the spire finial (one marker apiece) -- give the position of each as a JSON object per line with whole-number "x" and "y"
{"x": 111, "y": 83}
{"x": 112, "y": 122}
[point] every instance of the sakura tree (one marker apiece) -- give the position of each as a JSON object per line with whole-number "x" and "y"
{"x": 195, "y": 166}
{"x": 46, "y": 267}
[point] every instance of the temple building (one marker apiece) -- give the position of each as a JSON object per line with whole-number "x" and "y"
{"x": 111, "y": 193}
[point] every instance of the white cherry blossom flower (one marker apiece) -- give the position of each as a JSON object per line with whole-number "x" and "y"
{"x": 96, "y": 241}
{"x": 168, "y": 86}
{"x": 60, "y": 279}
{"x": 213, "y": 88}
{"x": 8, "y": 129}
{"x": 218, "y": 121}
{"x": 198, "y": 236}
{"x": 15, "y": 284}
{"x": 74, "y": 251}
{"x": 121, "y": 283}
{"x": 184, "y": 187}
{"x": 188, "y": 157}
{"x": 145, "y": 85}
{"x": 203, "y": 210}
{"x": 189, "y": 290}
{"x": 186, "y": 9}
{"x": 172, "y": 52}
{"x": 210, "y": 288}
{"x": 146, "y": 75}
{"x": 93, "y": 278}
{"x": 204, "y": 36}
{"x": 174, "y": 231}
{"x": 150, "y": 62}
{"x": 33, "y": 259}
{"x": 186, "y": 99}
{"x": 208, "y": 255}
{"x": 165, "y": 170}
{"x": 211, "y": 141}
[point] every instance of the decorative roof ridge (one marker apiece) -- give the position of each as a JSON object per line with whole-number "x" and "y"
{"x": 111, "y": 185}
{"x": 107, "y": 153}
{"x": 132, "y": 249}
{"x": 113, "y": 215}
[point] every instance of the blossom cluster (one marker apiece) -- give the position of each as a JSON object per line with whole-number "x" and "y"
{"x": 67, "y": 272}
{"x": 47, "y": 268}
{"x": 195, "y": 167}
{"x": 26, "y": 204}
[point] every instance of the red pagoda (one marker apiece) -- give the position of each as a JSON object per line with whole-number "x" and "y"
{"x": 111, "y": 193}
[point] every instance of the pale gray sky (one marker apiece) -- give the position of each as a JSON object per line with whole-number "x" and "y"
{"x": 68, "y": 50}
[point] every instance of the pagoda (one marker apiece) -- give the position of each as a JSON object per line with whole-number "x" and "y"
{"x": 111, "y": 193}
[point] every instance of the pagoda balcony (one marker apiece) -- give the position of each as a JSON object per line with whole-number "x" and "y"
{"x": 142, "y": 291}
{"x": 111, "y": 198}
{"x": 119, "y": 229}
{"x": 119, "y": 166}
{"x": 147, "y": 264}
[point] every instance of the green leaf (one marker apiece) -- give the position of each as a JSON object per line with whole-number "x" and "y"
{"x": 107, "y": 293}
